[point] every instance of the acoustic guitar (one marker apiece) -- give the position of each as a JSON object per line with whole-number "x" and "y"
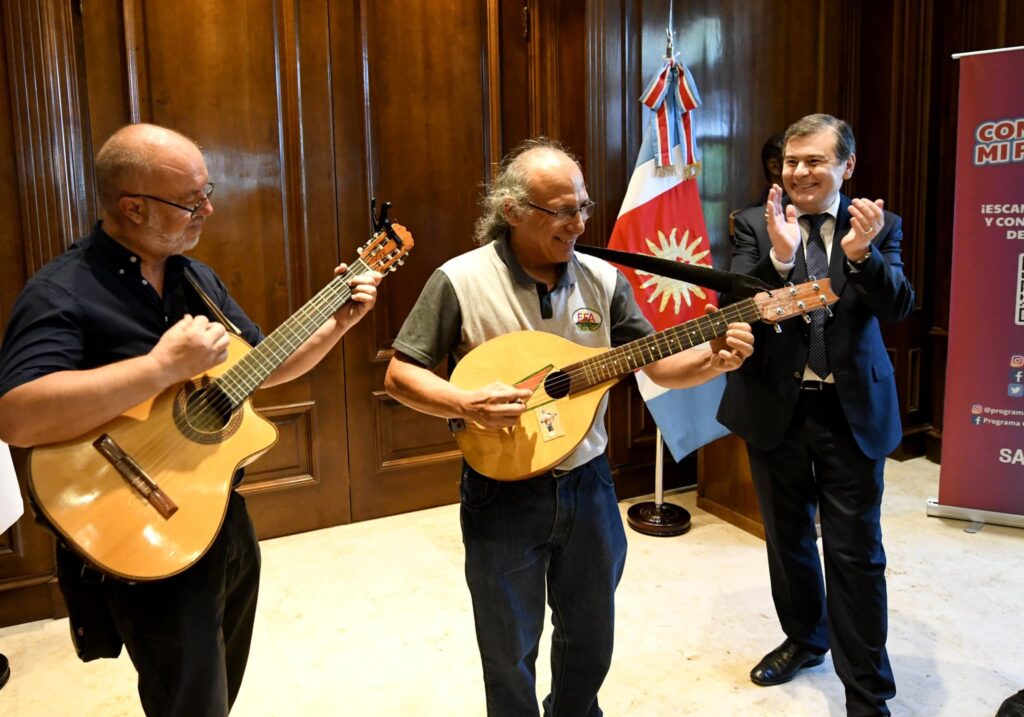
{"x": 143, "y": 496}
{"x": 568, "y": 380}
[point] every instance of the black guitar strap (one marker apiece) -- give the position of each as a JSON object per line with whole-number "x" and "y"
{"x": 214, "y": 309}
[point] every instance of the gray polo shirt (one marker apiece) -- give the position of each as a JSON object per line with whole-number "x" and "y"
{"x": 486, "y": 293}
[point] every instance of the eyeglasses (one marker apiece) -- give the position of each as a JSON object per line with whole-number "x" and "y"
{"x": 192, "y": 211}
{"x": 567, "y": 215}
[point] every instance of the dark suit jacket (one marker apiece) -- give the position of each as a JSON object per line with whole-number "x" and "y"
{"x": 761, "y": 395}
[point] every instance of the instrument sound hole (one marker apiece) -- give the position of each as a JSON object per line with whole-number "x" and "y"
{"x": 208, "y": 410}
{"x": 556, "y": 384}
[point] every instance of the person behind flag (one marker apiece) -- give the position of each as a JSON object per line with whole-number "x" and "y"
{"x": 818, "y": 409}
{"x": 560, "y": 532}
{"x": 771, "y": 165}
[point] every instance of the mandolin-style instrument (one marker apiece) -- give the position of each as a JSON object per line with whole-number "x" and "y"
{"x": 568, "y": 380}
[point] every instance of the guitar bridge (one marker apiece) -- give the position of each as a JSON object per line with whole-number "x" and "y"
{"x": 133, "y": 474}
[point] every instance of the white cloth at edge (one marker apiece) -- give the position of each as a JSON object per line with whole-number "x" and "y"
{"x": 11, "y": 506}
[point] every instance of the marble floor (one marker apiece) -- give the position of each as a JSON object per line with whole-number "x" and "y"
{"x": 374, "y": 619}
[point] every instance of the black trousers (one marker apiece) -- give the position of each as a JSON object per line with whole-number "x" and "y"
{"x": 188, "y": 636}
{"x": 818, "y": 464}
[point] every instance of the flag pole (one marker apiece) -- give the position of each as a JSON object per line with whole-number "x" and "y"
{"x": 658, "y": 518}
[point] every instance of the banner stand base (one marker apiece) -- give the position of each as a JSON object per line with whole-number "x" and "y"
{"x": 936, "y": 510}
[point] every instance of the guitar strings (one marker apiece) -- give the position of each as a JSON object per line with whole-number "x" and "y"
{"x": 217, "y": 402}
{"x": 205, "y": 412}
{"x": 591, "y": 371}
{"x": 231, "y": 388}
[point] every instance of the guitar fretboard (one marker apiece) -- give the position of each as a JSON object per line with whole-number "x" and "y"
{"x": 629, "y": 357}
{"x": 241, "y": 380}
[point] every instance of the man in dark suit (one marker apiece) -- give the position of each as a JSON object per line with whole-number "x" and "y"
{"x": 817, "y": 406}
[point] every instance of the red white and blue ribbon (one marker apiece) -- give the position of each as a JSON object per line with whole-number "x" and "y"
{"x": 670, "y": 96}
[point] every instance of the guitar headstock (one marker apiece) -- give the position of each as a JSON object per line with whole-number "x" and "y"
{"x": 387, "y": 249}
{"x": 794, "y": 300}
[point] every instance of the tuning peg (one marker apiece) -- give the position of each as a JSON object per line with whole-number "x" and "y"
{"x": 828, "y": 311}
{"x": 807, "y": 319}
{"x": 778, "y": 329}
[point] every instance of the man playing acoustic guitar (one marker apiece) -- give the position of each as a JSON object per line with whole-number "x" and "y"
{"x": 561, "y": 529}
{"x": 112, "y": 322}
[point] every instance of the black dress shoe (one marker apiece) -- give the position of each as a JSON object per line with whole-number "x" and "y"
{"x": 5, "y": 671}
{"x": 781, "y": 664}
{"x": 1013, "y": 706}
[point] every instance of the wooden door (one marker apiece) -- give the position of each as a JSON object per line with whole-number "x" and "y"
{"x": 249, "y": 81}
{"x": 415, "y": 75}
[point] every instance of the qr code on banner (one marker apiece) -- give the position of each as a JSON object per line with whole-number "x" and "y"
{"x": 1020, "y": 290}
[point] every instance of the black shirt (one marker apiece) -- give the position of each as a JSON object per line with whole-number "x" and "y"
{"x": 91, "y": 306}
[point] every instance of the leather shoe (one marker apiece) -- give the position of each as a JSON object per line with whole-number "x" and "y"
{"x": 1013, "y": 706}
{"x": 781, "y": 664}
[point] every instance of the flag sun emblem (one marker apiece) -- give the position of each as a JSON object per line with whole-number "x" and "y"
{"x": 673, "y": 289}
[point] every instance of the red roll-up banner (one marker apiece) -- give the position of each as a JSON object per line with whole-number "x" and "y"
{"x": 983, "y": 424}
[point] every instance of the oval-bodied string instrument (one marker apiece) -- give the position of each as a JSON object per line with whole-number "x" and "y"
{"x": 568, "y": 380}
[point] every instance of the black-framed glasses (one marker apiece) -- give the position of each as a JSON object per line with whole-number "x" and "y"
{"x": 193, "y": 210}
{"x": 567, "y": 215}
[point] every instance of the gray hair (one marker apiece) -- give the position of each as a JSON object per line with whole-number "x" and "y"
{"x": 812, "y": 124}
{"x": 510, "y": 187}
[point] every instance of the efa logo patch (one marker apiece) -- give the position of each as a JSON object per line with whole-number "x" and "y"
{"x": 586, "y": 319}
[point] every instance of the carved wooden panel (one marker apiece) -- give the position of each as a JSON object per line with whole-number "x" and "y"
{"x": 42, "y": 67}
{"x": 41, "y": 200}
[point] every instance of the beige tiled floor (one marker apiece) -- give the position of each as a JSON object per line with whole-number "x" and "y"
{"x": 374, "y": 619}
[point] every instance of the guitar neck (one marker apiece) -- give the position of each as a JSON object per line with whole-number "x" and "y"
{"x": 241, "y": 380}
{"x": 624, "y": 359}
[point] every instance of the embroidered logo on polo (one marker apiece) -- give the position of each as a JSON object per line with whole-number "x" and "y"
{"x": 586, "y": 319}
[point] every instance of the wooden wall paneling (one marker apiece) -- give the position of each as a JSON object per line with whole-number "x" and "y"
{"x": 891, "y": 115}
{"x": 611, "y": 141}
{"x": 44, "y": 200}
{"x": 13, "y": 267}
{"x": 510, "y": 34}
{"x": 427, "y": 137}
{"x": 558, "y": 69}
{"x": 42, "y": 60}
{"x": 106, "y": 56}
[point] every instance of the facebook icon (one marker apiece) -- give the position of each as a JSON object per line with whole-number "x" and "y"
{"x": 1017, "y": 375}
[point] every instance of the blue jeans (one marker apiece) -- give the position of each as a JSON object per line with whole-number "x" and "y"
{"x": 564, "y": 533}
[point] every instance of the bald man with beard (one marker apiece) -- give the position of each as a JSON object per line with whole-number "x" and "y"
{"x": 112, "y": 322}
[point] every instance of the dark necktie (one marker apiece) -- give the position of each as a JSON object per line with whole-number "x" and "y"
{"x": 817, "y": 266}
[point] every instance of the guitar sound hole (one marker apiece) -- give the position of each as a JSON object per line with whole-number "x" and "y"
{"x": 208, "y": 410}
{"x": 556, "y": 384}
